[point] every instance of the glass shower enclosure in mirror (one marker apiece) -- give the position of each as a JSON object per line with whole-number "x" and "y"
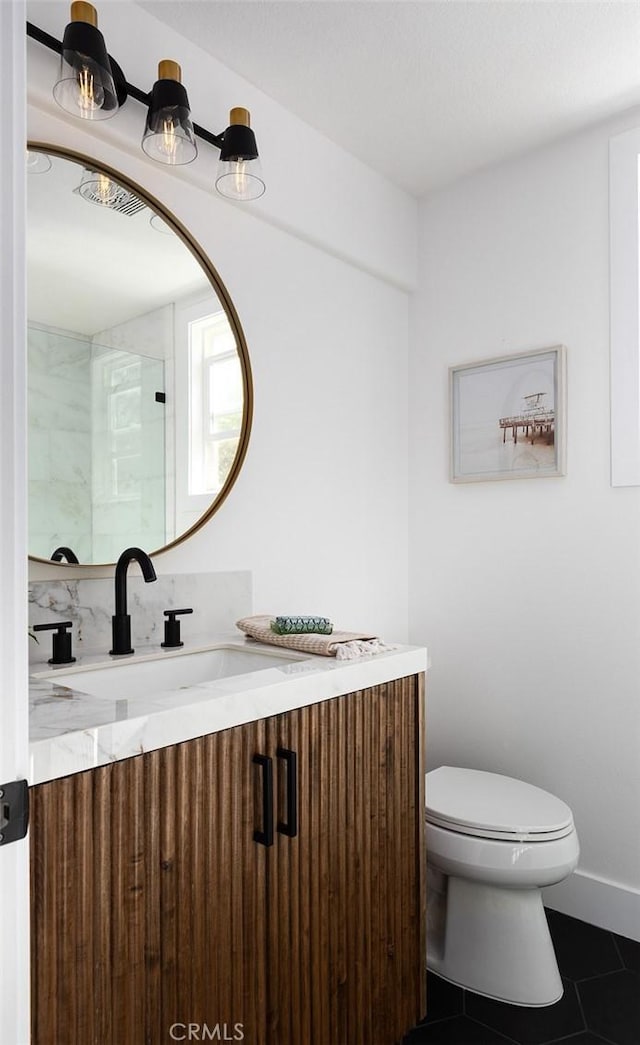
{"x": 139, "y": 385}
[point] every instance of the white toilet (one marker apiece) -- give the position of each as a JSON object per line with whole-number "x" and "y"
{"x": 493, "y": 843}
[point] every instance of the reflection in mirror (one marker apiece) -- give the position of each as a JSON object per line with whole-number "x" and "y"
{"x": 138, "y": 378}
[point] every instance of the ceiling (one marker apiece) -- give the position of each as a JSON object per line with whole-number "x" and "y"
{"x": 427, "y": 92}
{"x": 76, "y": 249}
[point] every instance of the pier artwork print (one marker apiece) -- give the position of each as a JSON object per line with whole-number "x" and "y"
{"x": 508, "y": 417}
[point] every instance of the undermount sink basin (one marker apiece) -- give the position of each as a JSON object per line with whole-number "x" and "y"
{"x": 128, "y": 679}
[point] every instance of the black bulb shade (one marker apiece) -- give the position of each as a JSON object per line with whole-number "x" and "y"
{"x": 84, "y": 50}
{"x": 239, "y": 144}
{"x": 168, "y": 135}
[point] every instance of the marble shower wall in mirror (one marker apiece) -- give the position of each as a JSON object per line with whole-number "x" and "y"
{"x": 139, "y": 387}
{"x": 96, "y": 440}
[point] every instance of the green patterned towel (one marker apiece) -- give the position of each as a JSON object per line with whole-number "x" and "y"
{"x": 302, "y": 626}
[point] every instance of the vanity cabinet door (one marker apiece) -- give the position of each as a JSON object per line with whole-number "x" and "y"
{"x": 346, "y": 898}
{"x": 149, "y": 896}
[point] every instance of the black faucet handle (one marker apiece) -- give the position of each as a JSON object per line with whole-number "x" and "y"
{"x": 172, "y": 628}
{"x": 61, "y": 652}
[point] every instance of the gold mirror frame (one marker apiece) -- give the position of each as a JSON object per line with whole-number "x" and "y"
{"x": 223, "y": 295}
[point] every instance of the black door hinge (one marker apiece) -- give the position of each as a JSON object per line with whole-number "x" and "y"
{"x": 14, "y": 811}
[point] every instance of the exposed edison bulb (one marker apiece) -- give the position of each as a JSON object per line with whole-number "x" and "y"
{"x": 240, "y": 178}
{"x": 85, "y": 87}
{"x": 168, "y": 137}
{"x": 239, "y": 175}
{"x": 105, "y": 188}
{"x": 168, "y": 143}
{"x": 90, "y": 94}
{"x": 99, "y": 188}
{"x": 168, "y": 134}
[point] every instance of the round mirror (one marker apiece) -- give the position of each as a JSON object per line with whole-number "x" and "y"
{"x": 139, "y": 384}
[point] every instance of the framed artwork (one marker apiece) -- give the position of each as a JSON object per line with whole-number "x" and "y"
{"x": 508, "y": 417}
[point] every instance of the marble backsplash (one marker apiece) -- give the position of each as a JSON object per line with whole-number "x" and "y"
{"x": 217, "y": 600}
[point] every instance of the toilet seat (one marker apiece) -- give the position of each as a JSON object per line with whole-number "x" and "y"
{"x": 488, "y": 805}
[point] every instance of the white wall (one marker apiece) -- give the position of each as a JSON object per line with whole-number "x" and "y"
{"x": 528, "y": 592}
{"x": 14, "y": 718}
{"x": 319, "y": 512}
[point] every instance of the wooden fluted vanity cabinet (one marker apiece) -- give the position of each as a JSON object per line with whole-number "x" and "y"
{"x": 154, "y": 907}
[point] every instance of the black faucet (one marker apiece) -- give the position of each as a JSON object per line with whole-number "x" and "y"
{"x": 64, "y": 553}
{"x": 121, "y": 621}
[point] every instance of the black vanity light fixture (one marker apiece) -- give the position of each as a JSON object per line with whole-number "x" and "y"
{"x": 168, "y": 134}
{"x": 239, "y": 170}
{"x": 85, "y": 87}
{"x": 91, "y": 86}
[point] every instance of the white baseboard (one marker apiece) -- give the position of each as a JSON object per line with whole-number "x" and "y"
{"x": 607, "y": 904}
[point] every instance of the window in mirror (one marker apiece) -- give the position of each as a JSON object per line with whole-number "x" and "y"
{"x": 215, "y": 403}
{"x": 209, "y": 396}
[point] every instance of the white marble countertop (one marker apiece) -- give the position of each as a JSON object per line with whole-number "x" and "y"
{"x": 72, "y": 731}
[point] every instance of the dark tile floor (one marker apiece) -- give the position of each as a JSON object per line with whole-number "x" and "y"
{"x": 600, "y": 1006}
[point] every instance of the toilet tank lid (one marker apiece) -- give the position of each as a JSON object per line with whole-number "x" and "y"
{"x": 476, "y": 799}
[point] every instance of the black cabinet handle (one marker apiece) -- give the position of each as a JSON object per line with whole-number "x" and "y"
{"x": 265, "y": 837}
{"x": 290, "y": 828}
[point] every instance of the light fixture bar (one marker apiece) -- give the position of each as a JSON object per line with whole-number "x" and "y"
{"x": 128, "y": 89}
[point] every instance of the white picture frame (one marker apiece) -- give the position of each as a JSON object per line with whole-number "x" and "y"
{"x": 508, "y": 417}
